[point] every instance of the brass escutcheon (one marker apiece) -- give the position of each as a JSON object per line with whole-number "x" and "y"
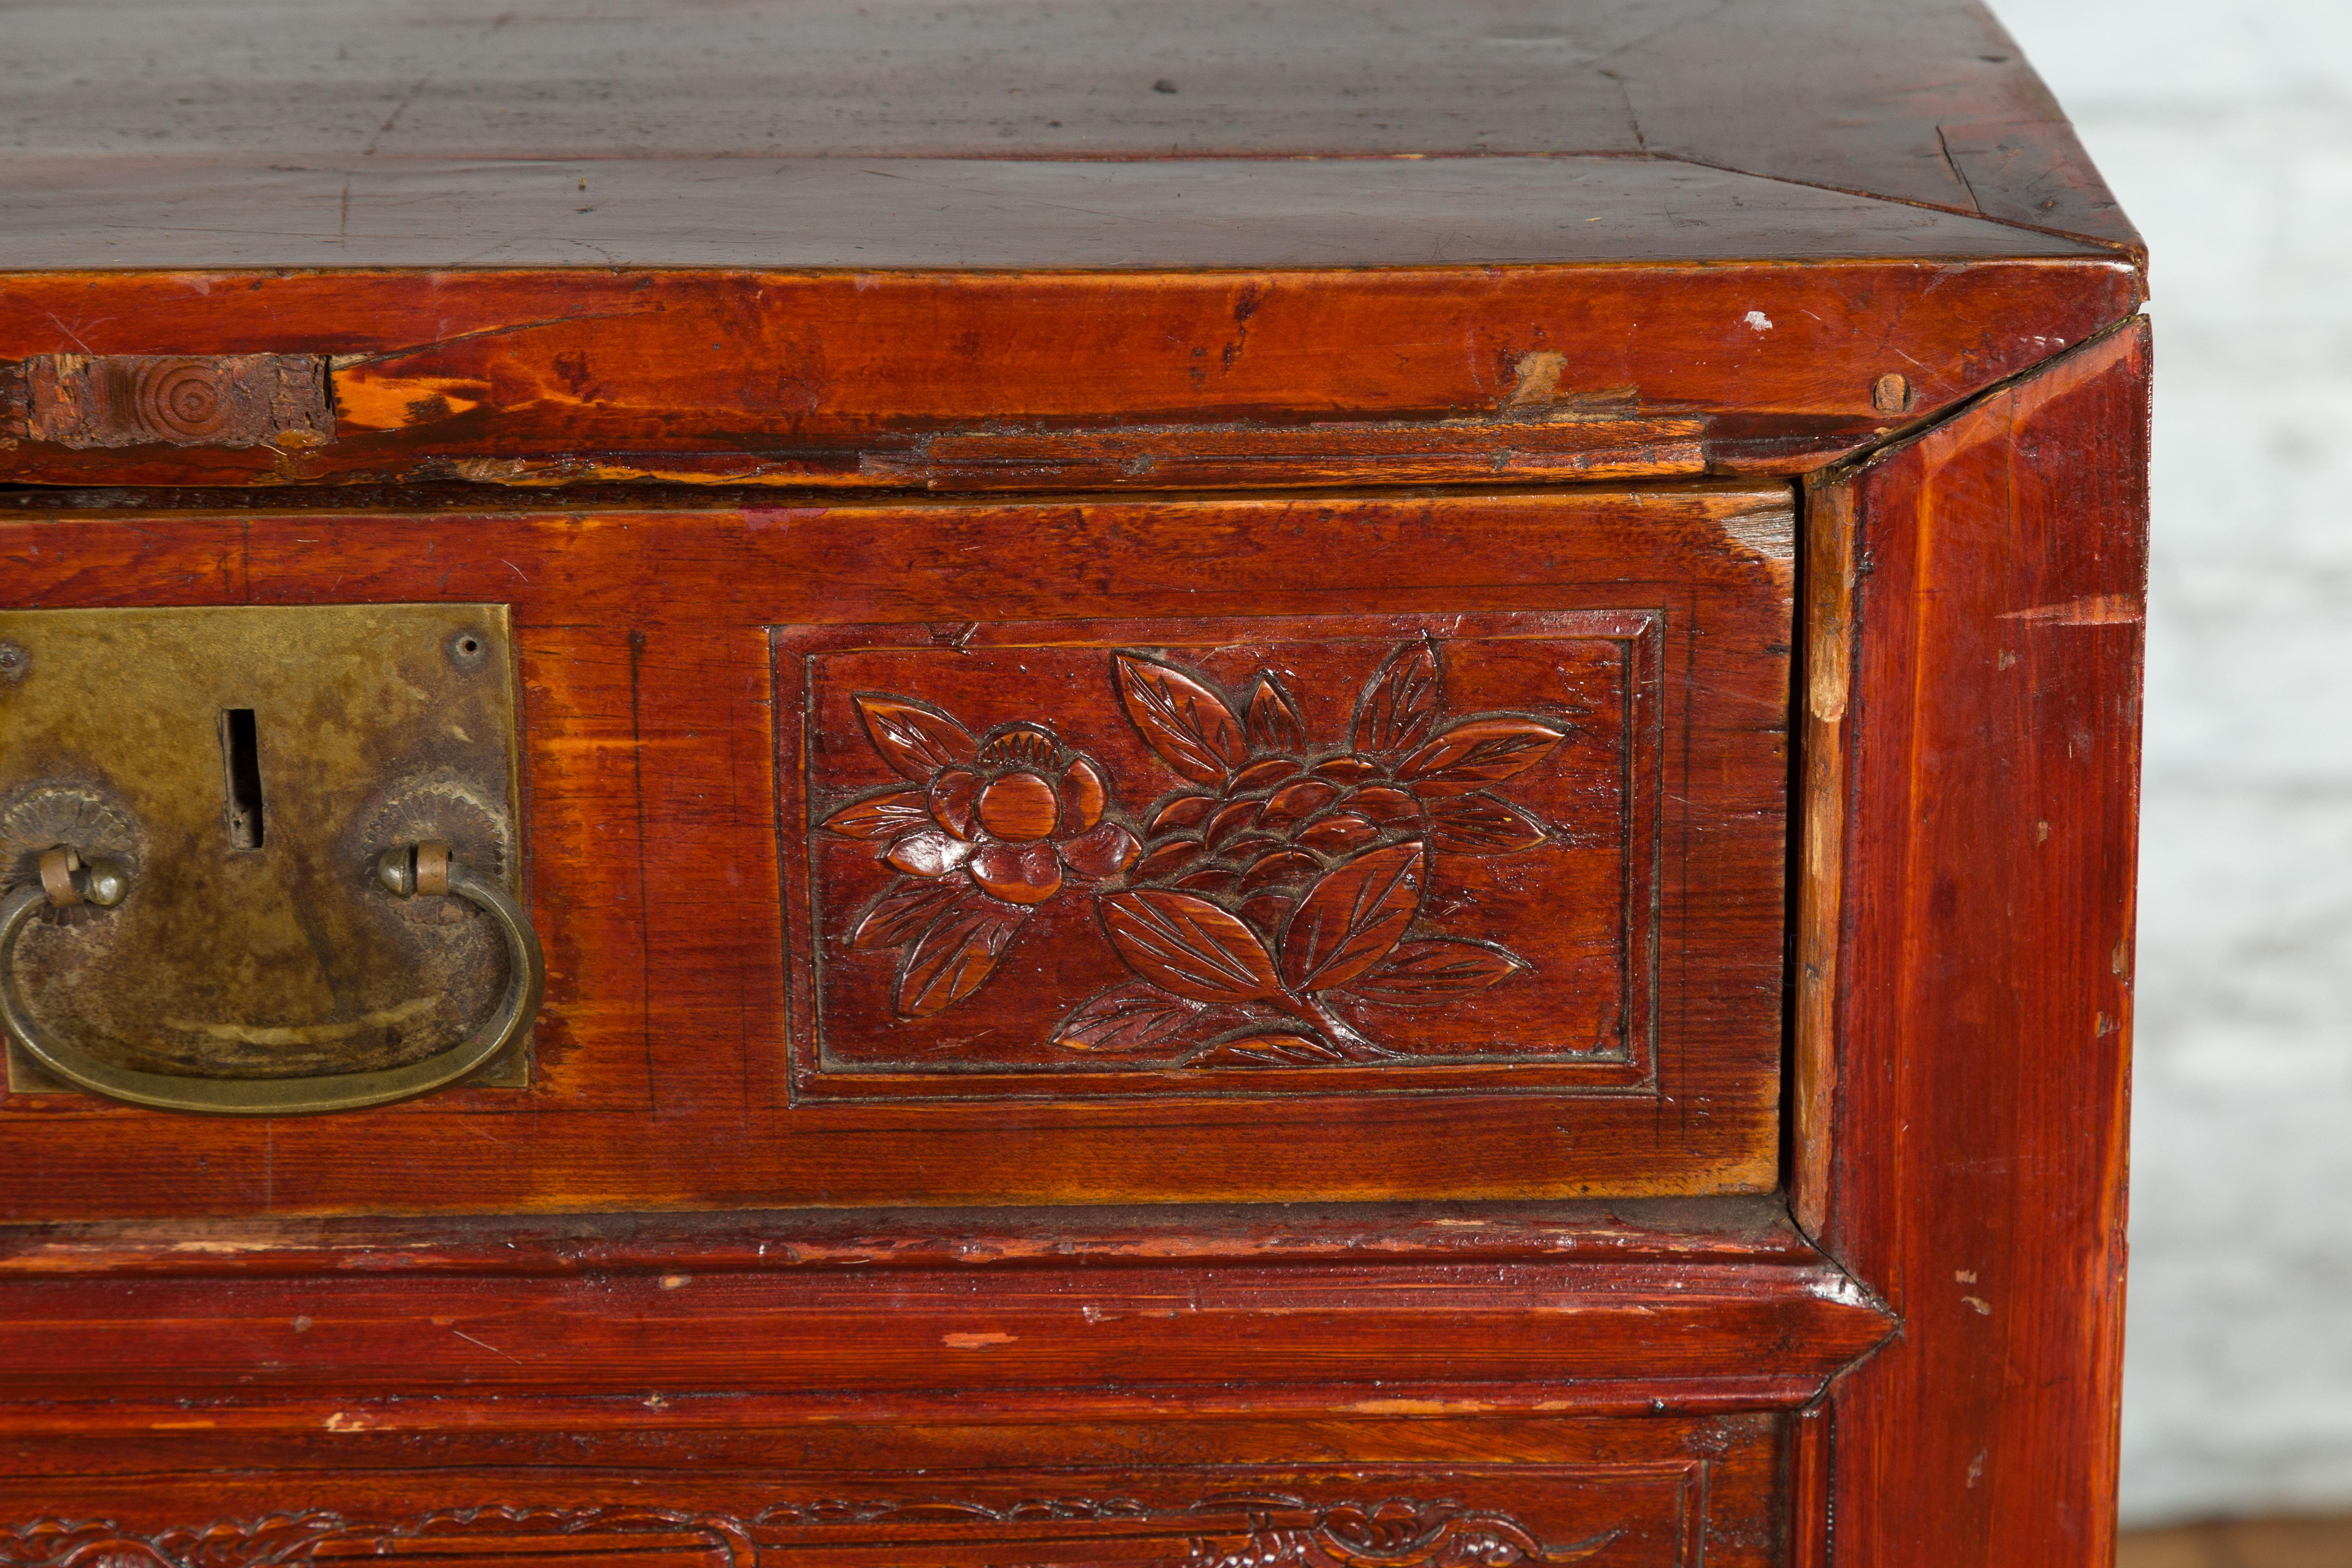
{"x": 242, "y": 768}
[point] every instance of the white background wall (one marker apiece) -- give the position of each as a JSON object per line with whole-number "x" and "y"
{"x": 2227, "y": 132}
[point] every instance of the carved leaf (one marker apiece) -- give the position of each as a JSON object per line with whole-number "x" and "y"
{"x": 1385, "y": 802}
{"x": 1352, "y": 917}
{"x": 949, "y": 960}
{"x": 1400, "y": 700}
{"x": 1136, "y": 1016}
{"x": 1436, "y": 970}
{"x": 1338, "y": 833}
{"x": 1101, "y": 854}
{"x": 1171, "y": 856}
{"x": 884, "y": 815}
{"x": 1479, "y": 751}
{"x": 1230, "y": 820}
{"x": 1187, "y": 724}
{"x": 1349, "y": 770}
{"x": 1190, "y": 946}
{"x": 914, "y": 738}
{"x": 1278, "y": 867}
{"x": 902, "y": 913}
{"x": 1274, "y": 723}
{"x": 1482, "y": 824}
{"x": 1297, "y": 802}
{"x": 1184, "y": 811}
{"x": 1263, "y": 774}
{"x": 1266, "y": 1051}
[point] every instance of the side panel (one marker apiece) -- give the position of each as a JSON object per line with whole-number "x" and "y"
{"x": 1984, "y": 986}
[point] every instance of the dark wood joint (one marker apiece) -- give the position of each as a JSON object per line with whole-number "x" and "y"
{"x": 178, "y": 400}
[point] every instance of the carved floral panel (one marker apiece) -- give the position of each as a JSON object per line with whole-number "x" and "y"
{"x": 1185, "y": 857}
{"x": 1622, "y": 1516}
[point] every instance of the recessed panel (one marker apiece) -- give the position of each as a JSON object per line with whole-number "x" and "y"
{"x": 1294, "y": 854}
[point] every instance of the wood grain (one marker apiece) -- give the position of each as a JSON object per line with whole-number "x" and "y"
{"x": 993, "y": 346}
{"x": 1976, "y": 1174}
{"x": 1925, "y": 103}
{"x": 1151, "y": 1334}
{"x": 176, "y": 212}
{"x": 538, "y": 378}
{"x": 651, "y": 787}
{"x": 1664, "y": 1493}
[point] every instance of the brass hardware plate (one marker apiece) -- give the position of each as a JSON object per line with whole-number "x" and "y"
{"x": 246, "y": 765}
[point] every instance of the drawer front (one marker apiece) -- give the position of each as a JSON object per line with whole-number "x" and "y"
{"x": 1241, "y": 849}
{"x": 1650, "y": 1494}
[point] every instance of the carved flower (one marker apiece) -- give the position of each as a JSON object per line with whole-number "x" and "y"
{"x": 985, "y": 831}
{"x": 1014, "y": 818}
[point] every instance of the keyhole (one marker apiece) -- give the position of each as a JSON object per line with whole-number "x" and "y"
{"x": 241, "y": 753}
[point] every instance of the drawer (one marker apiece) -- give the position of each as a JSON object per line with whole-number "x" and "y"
{"x": 1245, "y": 849}
{"x": 1667, "y": 1493}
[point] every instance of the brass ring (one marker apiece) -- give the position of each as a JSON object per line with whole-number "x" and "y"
{"x": 526, "y": 984}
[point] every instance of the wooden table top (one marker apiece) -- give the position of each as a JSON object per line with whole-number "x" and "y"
{"x": 1112, "y": 133}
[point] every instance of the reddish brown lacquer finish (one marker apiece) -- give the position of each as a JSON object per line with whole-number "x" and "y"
{"x": 1355, "y": 854}
{"x": 1985, "y": 974}
{"x": 1337, "y": 784}
{"x": 1511, "y": 832}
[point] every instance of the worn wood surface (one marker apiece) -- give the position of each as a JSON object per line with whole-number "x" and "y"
{"x": 1983, "y": 989}
{"x": 638, "y": 320}
{"x": 658, "y": 877}
{"x": 939, "y": 241}
{"x": 923, "y": 380}
{"x": 1920, "y": 102}
{"x": 1768, "y": 1333}
{"x": 276, "y": 1328}
{"x": 1750, "y": 1229}
{"x": 177, "y": 212}
{"x": 1663, "y": 1493}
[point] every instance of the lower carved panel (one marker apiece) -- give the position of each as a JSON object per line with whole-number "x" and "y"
{"x": 1653, "y": 1514}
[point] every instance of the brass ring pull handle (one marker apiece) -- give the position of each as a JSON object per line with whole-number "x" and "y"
{"x": 406, "y": 870}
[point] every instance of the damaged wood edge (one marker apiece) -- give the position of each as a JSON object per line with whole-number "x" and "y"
{"x": 1835, "y": 564}
{"x": 493, "y": 1414}
{"x": 1162, "y": 457}
{"x": 1809, "y": 1459}
{"x": 1750, "y": 1232}
{"x": 1830, "y": 519}
{"x": 228, "y": 400}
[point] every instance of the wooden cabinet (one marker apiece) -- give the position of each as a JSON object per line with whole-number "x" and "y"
{"x": 1261, "y": 787}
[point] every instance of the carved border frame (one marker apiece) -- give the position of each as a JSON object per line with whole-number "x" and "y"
{"x": 1651, "y": 898}
{"x": 1231, "y": 1528}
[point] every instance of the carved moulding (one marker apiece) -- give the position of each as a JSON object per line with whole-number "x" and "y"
{"x": 1317, "y": 853}
{"x": 1229, "y": 1532}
